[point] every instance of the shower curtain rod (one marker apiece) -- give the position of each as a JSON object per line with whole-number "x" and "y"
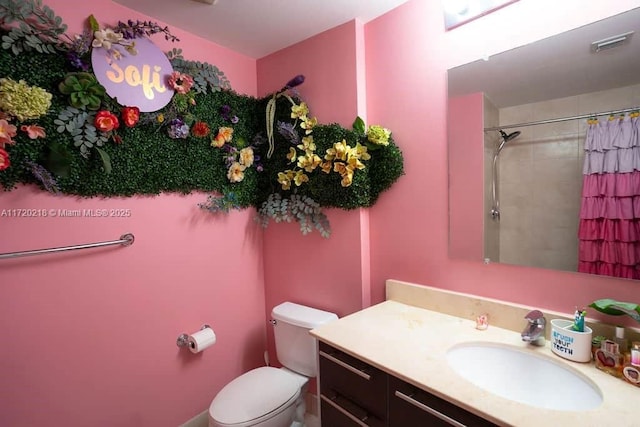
{"x": 125, "y": 240}
{"x": 562, "y": 119}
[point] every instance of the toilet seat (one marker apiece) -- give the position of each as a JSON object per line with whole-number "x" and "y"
{"x": 255, "y": 396}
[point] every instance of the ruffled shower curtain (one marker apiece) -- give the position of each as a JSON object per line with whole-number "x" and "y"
{"x": 609, "y": 231}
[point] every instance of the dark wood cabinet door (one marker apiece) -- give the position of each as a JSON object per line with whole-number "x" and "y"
{"x": 351, "y": 390}
{"x": 410, "y": 406}
{"x": 350, "y": 378}
{"x": 339, "y": 412}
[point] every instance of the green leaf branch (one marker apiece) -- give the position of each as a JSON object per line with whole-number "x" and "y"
{"x": 617, "y": 308}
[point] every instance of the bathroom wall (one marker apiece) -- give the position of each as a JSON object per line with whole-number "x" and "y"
{"x": 330, "y": 274}
{"x": 541, "y": 178}
{"x": 406, "y": 90}
{"x": 89, "y": 337}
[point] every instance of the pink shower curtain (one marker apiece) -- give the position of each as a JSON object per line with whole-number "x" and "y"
{"x": 609, "y": 232}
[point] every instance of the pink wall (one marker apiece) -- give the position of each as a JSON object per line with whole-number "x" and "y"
{"x": 330, "y": 274}
{"x": 466, "y": 164}
{"x": 89, "y": 336}
{"x": 406, "y": 90}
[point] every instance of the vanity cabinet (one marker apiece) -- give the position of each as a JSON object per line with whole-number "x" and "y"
{"x": 356, "y": 394}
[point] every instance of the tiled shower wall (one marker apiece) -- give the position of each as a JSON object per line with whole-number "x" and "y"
{"x": 540, "y": 178}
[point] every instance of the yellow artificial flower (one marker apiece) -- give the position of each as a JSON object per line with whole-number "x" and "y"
{"x": 308, "y": 124}
{"x": 362, "y": 152}
{"x": 300, "y": 178}
{"x": 226, "y": 133}
{"x": 326, "y": 166}
{"x": 292, "y": 155}
{"x": 160, "y": 118}
{"x": 236, "y": 172}
{"x": 347, "y": 179}
{"x": 354, "y": 163}
{"x": 338, "y": 152}
{"x": 307, "y": 144}
{"x": 309, "y": 161}
{"x": 345, "y": 172}
{"x": 246, "y": 156}
{"x": 284, "y": 178}
{"x": 378, "y": 135}
{"x": 217, "y": 141}
{"x": 340, "y": 167}
{"x": 299, "y": 111}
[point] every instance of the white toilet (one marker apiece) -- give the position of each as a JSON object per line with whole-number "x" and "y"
{"x": 274, "y": 397}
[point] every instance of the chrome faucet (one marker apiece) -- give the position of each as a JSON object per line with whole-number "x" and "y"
{"x": 534, "y": 332}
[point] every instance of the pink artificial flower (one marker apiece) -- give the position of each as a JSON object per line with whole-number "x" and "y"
{"x": 33, "y": 131}
{"x": 180, "y": 82}
{"x": 4, "y": 160}
{"x": 7, "y": 132}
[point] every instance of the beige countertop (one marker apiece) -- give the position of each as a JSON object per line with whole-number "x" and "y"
{"x": 411, "y": 343}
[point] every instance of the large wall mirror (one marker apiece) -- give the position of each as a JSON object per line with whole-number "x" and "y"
{"x": 519, "y": 124}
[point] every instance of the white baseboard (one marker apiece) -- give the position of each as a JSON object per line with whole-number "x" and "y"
{"x": 200, "y": 420}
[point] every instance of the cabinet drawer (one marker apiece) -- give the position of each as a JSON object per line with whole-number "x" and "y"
{"x": 340, "y": 412}
{"x": 411, "y": 406}
{"x": 347, "y": 377}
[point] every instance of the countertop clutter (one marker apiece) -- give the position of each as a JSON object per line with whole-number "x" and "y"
{"x": 411, "y": 343}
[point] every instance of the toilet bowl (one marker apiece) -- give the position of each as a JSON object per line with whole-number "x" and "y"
{"x": 274, "y": 397}
{"x": 263, "y": 397}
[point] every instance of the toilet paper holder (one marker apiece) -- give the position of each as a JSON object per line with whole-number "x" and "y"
{"x": 183, "y": 339}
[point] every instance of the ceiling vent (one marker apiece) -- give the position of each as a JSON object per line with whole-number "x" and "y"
{"x": 611, "y": 42}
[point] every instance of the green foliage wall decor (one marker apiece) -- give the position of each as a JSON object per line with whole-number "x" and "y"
{"x": 226, "y": 139}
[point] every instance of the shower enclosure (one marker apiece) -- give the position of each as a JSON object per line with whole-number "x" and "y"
{"x": 538, "y": 177}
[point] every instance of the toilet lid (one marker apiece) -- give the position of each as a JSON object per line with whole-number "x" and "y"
{"x": 254, "y": 394}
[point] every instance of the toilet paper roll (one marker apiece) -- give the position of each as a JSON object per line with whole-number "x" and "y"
{"x": 201, "y": 340}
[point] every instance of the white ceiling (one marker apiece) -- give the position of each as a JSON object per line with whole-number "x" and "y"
{"x": 555, "y": 67}
{"x": 257, "y": 28}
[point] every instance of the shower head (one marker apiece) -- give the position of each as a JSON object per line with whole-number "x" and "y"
{"x": 507, "y": 137}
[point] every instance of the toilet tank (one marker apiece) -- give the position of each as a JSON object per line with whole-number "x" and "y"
{"x": 295, "y": 347}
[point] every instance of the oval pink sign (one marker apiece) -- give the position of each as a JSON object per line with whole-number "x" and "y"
{"x": 135, "y": 80}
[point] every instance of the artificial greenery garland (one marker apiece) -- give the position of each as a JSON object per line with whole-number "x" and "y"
{"x": 144, "y": 159}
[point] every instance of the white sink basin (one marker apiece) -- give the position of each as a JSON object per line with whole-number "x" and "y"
{"x": 524, "y": 377}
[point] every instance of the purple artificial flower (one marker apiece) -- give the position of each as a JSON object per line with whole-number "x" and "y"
{"x": 258, "y": 140}
{"x": 296, "y": 81}
{"x": 44, "y": 176}
{"x": 178, "y": 129}
{"x": 82, "y": 43}
{"x": 225, "y": 110}
{"x": 77, "y": 62}
{"x": 288, "y": 132}
{"x": 235, "y": 119}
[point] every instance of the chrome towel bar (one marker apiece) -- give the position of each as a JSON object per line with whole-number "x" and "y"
{"x": 125, "y": 240}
